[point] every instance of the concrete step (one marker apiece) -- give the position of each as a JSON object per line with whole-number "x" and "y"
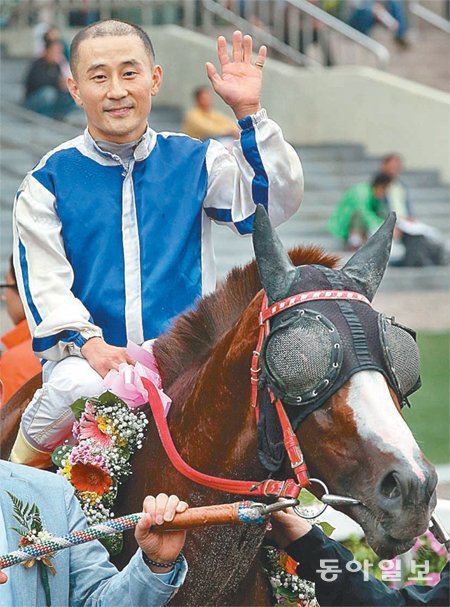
{"x": 230, "y": 254}
{"x": 330, "y": 151}
{"x": 342, "y": 182}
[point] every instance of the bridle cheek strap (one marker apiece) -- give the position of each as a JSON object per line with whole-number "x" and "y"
{"x": 291, "y": 445}
{"x": 290, "y": 440}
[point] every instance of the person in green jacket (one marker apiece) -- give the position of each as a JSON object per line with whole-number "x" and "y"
{"x": 361, "y": 211}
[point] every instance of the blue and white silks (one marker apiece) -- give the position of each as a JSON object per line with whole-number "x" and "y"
{"x": 104, "y": 249}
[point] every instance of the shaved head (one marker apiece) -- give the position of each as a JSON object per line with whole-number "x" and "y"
{"x": 109, "y": 27}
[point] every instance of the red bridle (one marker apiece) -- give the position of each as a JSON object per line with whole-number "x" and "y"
{"x": 268, "y": 487}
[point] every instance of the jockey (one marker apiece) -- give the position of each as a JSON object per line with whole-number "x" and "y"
{"x": 113, "y": 228}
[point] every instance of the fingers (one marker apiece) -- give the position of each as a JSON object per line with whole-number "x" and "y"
{"x": 222, "y": 51}
{"x": 262, "y": 54}
{"x": 237, "y": 46}
{"x": 182, "y": 506}
{"x": 242, "y": 49}
{"x": 3, "y": 577}
{"x": 248, "y": 42}
{"x": 213, "y": 76}
{"x": 161, "y": 508}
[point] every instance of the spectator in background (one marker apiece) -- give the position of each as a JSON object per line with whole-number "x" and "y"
{"x": 361, "y": 211}
{"x": 415, "y": 243}
{"x": 398, "y": 195}
{"x": 364, "y": 14}
{"x": 18, "y": 364}
{"x": 45, "y": 85}
{"x": 204, "y": 122}
{"x": 53, "y": 33}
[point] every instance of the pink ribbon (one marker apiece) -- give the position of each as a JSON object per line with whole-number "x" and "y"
{"x": 126, "y": 382}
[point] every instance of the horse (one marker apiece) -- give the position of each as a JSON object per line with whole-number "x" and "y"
{"x": 345, "y": 407}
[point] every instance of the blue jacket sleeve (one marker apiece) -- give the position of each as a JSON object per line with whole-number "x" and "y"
{"x": 349, "y": 588}
{"x": 95, "y": 582}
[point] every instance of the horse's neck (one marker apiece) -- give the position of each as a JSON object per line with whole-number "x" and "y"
{"x": 217, "y": 412}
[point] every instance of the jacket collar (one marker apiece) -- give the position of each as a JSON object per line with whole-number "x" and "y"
{"x": 142, "y": 151}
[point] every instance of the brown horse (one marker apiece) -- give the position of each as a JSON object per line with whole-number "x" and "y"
{"x": 356, "y": 441}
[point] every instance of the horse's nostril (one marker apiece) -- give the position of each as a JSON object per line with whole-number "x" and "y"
{"x": 389, "y": 487}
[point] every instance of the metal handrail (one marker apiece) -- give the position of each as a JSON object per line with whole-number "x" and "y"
{"x": 430, "y": 17}
{"x": 217, "y": 8}
{"x": 257, "y": 32}
{"x": 380, "y": 51}
{"x": 372, "y": 46}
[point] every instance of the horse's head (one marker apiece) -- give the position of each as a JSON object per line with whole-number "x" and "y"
{"x": 344, "y": 372}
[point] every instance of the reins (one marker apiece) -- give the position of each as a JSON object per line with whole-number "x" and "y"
{"x": 267, "y": 487}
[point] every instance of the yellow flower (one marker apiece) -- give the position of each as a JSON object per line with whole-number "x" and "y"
{"x": 67, "y": 470}
{"x": 104, "y": 424}
{"x": 89, "y": 496}
{"x": 107, "y": 426}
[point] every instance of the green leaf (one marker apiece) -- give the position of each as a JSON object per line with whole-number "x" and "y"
{"x": 289, "y": 594}
{"x": 78, "y": 407}
{"x": 61, "y": 453}
{"x": 108, "y": 398}
{"x": 306, "y": 498}
{"x": 326, "y": 528}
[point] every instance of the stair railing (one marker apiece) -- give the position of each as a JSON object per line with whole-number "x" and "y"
{"x": 422, "y": 12}
{"x": 296, "y": 24}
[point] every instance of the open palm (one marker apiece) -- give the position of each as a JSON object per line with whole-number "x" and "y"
{"x": 239, "y": 84}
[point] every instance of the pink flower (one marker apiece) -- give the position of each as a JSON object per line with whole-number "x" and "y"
{"x": 88, "y": 427}
{"x": 88, "y": 452}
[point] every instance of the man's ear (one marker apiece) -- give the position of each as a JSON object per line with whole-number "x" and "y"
{"x": 156, "y": 80}
{"x": 73, "y": 90}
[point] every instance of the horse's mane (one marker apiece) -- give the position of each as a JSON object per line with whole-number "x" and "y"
{"x": 189, "y": 342}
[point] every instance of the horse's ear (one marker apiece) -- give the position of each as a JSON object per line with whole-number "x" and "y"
{"x": 276, "y": 270}
{"x": 368, "y": 265}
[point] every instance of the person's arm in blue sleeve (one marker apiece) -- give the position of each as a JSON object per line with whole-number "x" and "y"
{"x": 95, "y": 581}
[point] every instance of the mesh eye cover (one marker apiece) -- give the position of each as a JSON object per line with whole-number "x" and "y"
{"x": 302, "y": 357}
{"x": 402, "y": 355}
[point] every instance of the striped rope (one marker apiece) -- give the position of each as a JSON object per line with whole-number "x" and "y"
{"x": 247, "y": 513}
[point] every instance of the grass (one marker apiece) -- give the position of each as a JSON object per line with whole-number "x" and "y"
{"x": 429, "y": 416}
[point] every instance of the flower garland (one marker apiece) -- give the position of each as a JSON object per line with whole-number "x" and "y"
{"x": 107, "y": 433}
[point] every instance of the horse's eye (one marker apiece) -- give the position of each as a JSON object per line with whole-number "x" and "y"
{"x": 403, "y": 357}
{"x": 299, "y": 356}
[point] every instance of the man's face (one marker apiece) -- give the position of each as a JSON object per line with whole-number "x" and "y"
{"x": 114, "y": 83}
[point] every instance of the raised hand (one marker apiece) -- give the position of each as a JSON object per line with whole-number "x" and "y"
{"x": 240, "y": 82}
